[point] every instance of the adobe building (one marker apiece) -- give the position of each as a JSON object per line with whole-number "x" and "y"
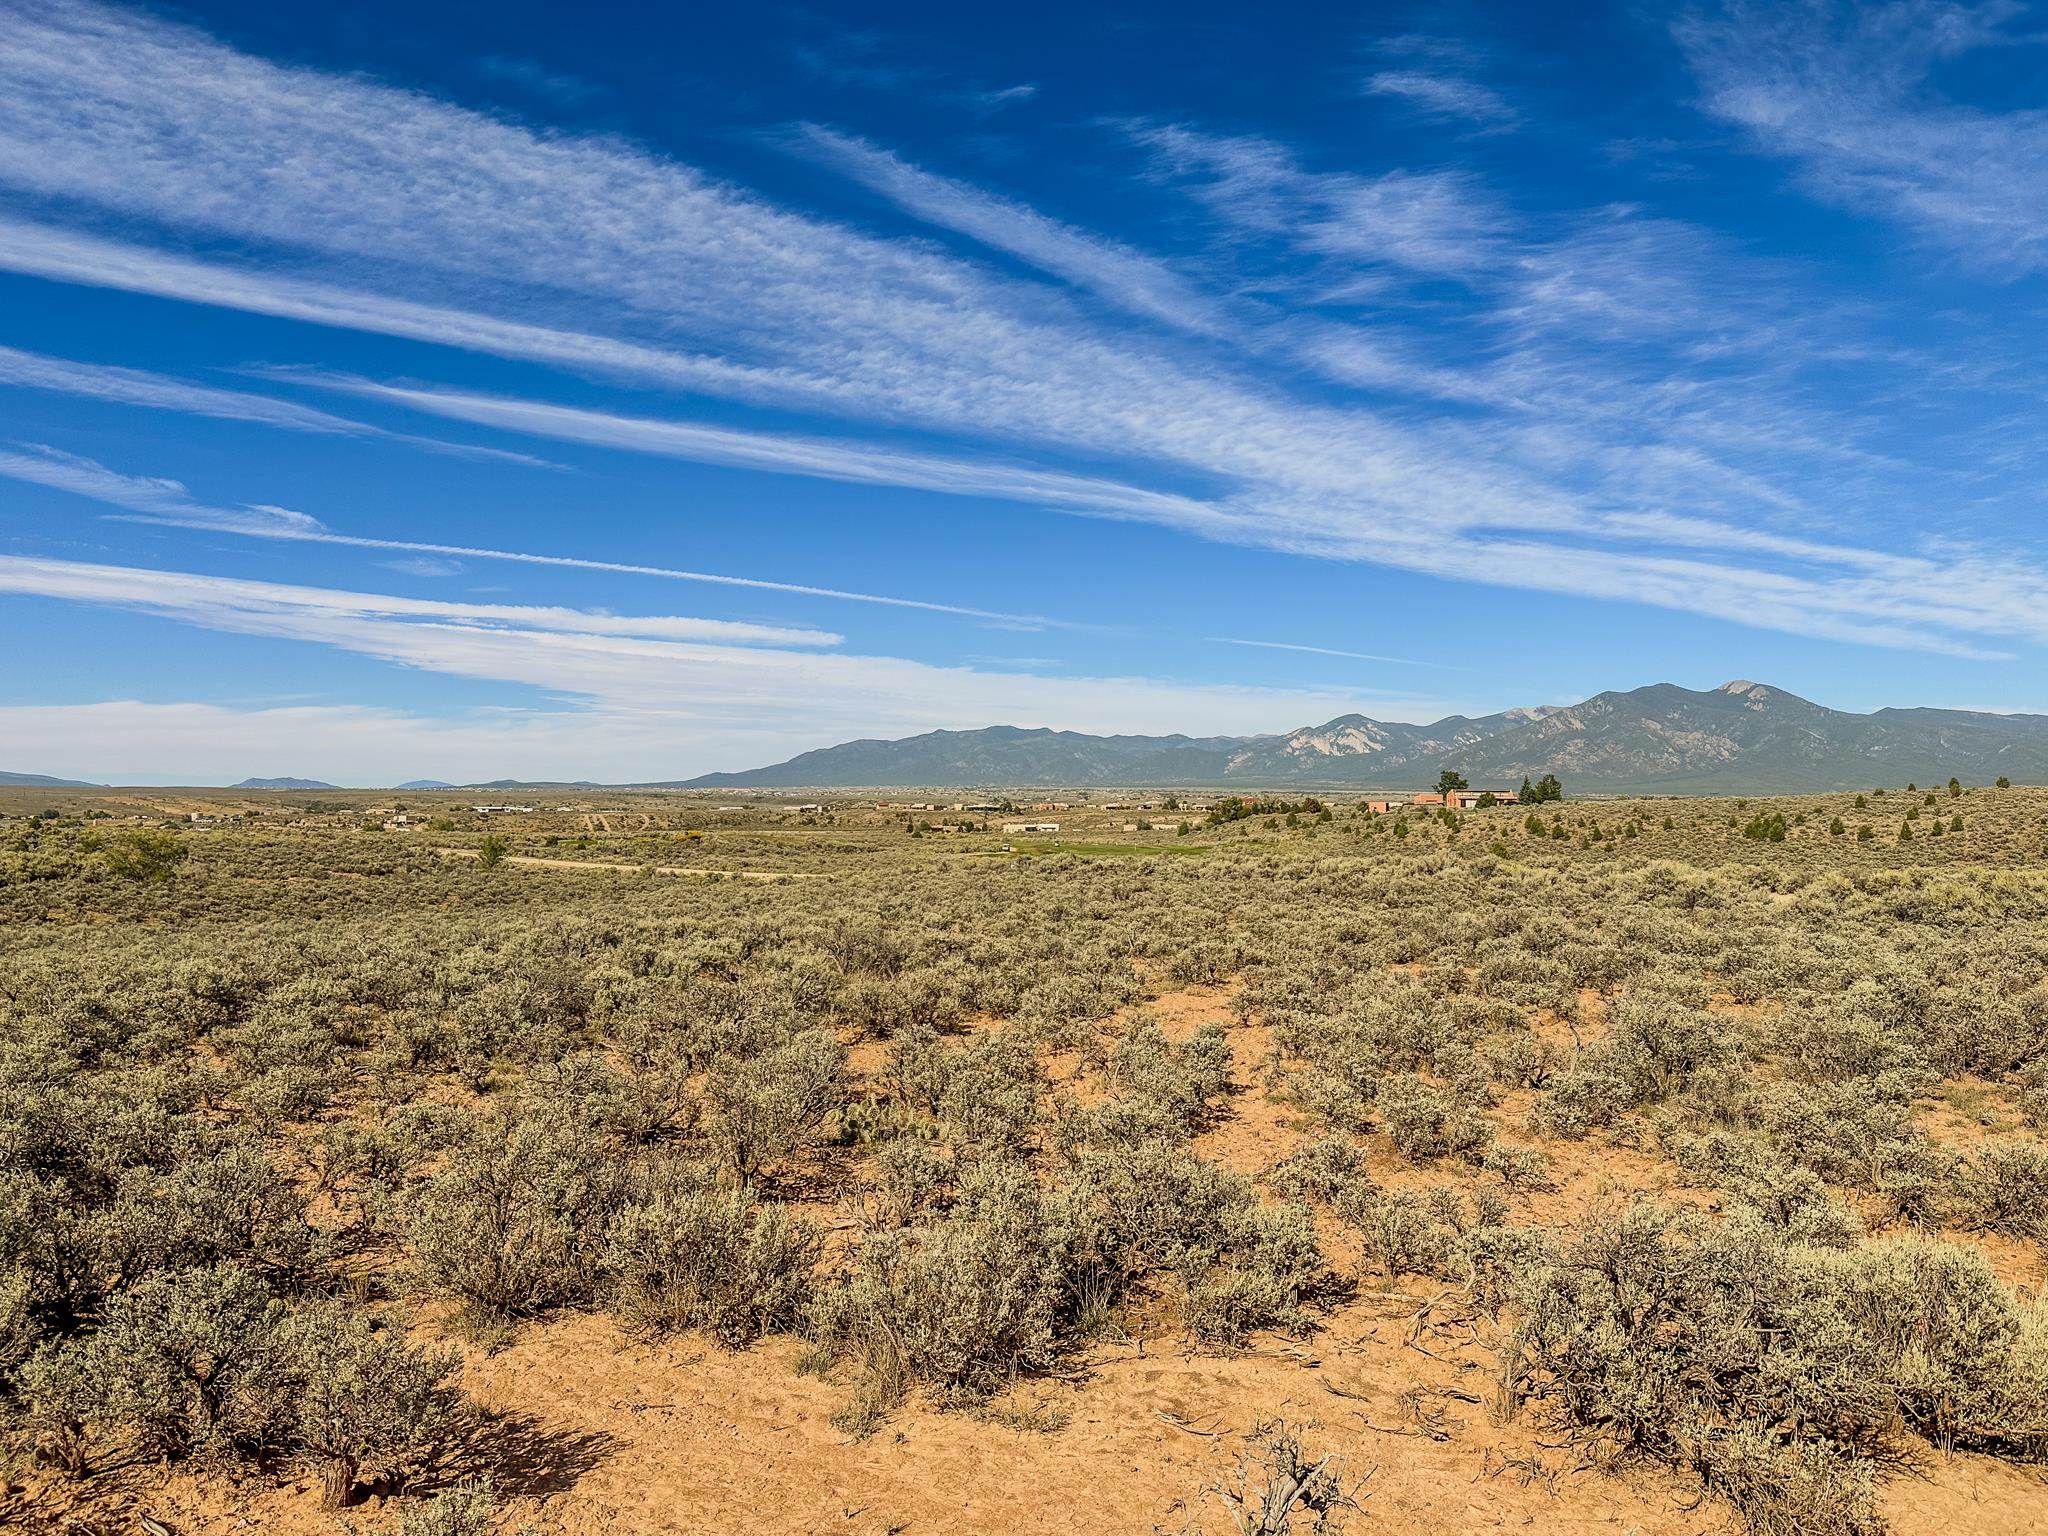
{"x": 1466, "y": 799}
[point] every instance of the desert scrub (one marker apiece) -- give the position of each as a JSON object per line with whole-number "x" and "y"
{"x": 2004, "y": 1188}
{"x": 519, "y": 1220}
{"x": 983, "y": 1091}
{"x": 504, "y": 1088}
{"x": 959, "y": 1305}
{"x": 764, "y": 1110}
{"x": 689, "y": 1252}
{"x": 1425, "y": 1122}
{"x": 1182, "y": 1081}
{"x": 1780, "y": 1372}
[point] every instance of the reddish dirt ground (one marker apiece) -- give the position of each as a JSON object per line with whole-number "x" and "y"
{"x": 603, "y": 1436}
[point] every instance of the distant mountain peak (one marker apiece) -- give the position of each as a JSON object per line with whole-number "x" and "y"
{"x": 1662, "y": 738}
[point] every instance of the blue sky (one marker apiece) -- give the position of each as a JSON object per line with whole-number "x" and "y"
{"x": 616, "y": 391}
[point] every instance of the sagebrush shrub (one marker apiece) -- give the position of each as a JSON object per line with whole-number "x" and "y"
{"x": 520, "y": 1218}
{"x": 183, "y": 1362}
{"x": 765, "y": 1109}
{"x": 365, "y": 1405}
{"x": 688, "y": 1252}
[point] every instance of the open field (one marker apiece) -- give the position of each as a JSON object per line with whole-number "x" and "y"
{"x": 1654, "y": 1166}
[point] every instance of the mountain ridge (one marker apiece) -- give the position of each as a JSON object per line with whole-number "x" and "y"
{"x": 1662, "y": 738}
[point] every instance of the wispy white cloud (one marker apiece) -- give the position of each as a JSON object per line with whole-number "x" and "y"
{"x": 1436, "y": 223}
{"x": 425, "y": 566}
{"x": 1443, "y": 96}
{"x": 154, "y": 391}
{"x": 665, "y": 696}
{"x": 1130, "y": 279}
{"x": 412, "y": 218}
{"x": 158, "y": 500}
{"x": 271, "y": 608}
{"x": 1847, "y": 94}
{"x": 784, "y": 453}
{"x": 1323, "y": 650}
{"x": 149, "y": 496}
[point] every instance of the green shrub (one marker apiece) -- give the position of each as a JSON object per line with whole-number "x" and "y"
{"x": 467, "y": 1509}
{"x": 519, "y": 1220}
{"x": 1580, "y": 1099}
{"x": 1182, "y": 1080}
{"x": 690, "y": 1253}
{"x": 2004, "y": 1188}
{"x": 1320, "y": 1170}
{"x": 960, "y": 1305}
{"x": 766, "y": 1109}
{"x": 183, "y": 1363}
{"x": 1427, "y": 1123}
{"x": 145, "y": 855}
{"x": 366, "y": 1406}
{"x": 1403, "y": 1233}
{"x": 1670, "y": 1335}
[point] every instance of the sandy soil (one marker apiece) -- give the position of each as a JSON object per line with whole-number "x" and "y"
{"x": 596, "y": 1433}
{"x": 607, "y": 1437}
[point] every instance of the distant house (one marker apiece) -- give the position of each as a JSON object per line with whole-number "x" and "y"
{"x": 1047, "y": 805}
{"x": 1466, "y": 799}
{"x": 804, "y": 810}
{"x": 1380, "y": 807}
{"x": 1031, "y": 826}
{"x": 502, "y": 810}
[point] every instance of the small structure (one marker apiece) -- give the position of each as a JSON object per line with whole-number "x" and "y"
{"x": 1031, "y": 826}
{"x": 1463, "y": 799}
{"x": 1468, "y": 799}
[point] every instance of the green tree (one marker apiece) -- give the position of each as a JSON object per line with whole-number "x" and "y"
{"x": 146, "y": 854}
{"x": 1449, "y": 780}
{"x": 1955, "y": 786}
{"x": 2004, "y": 782}
{"x": 1548, "y": 789}
{"x": 491, "y": 852}
{"x": 1528, "y": 790}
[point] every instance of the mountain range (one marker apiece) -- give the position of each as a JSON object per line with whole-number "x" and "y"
{"x": 42, "y": 781}
{"x": 1659, "y": 739}
{"x": 285, "y": 783}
